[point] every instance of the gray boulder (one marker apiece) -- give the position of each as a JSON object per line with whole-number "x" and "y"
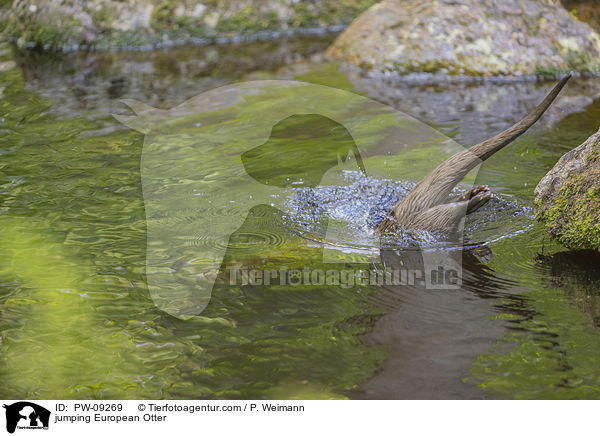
{"x": 469, "y": 37}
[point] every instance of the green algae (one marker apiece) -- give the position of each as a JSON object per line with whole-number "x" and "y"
{"x": 573, "y": 216}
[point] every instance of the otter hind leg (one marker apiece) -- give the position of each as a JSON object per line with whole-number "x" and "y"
{"x": 443, "y": 216}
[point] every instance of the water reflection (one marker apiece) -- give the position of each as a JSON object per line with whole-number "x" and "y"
{"x": 520, "y": 326}
{"x": 577, "y": 274}
{"x": 95, "y": 81}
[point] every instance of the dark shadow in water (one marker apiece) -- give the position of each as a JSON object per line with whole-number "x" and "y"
{"x": 433, "y": 336}
{"x": 577, "y": 274}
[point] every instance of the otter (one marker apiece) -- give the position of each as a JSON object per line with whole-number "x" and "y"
{"x": 429, "y": 205}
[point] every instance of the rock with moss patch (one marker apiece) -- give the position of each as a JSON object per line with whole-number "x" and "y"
{"x": 469, "y": 37}
{"x": 568, "y": 197}
{"x": 117, "y": 23}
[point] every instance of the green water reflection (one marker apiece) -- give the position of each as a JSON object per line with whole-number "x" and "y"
{"x": 77, "y": 321}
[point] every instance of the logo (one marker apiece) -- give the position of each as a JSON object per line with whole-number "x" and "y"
{"x": 207, "y": 163}
{"x": 26, "y": 415}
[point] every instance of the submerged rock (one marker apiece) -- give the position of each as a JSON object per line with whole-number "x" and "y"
{"x": 71, "y": 24}
{"x": 468, "y": 37}
{"x": 568, "y": 197}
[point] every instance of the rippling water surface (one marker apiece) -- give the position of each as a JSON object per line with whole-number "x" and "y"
{"x": 76, "y": 317}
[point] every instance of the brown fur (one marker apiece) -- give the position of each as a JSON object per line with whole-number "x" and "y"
{"x": 428, "y": 206}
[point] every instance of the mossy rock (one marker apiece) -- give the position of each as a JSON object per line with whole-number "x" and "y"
{"x": 105, "y": 24}
{"x": 568, "y": 197}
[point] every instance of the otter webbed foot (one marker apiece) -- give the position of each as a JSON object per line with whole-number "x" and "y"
{"x": 477, "y": 197}
{"x": 470, "y": 194}
{"x": 388, "y": 224}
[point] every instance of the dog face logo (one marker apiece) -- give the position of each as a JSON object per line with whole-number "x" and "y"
{"x": 208, "y": 161}
{"x": 294, "y": 136}
{"x": 26, "y": 415}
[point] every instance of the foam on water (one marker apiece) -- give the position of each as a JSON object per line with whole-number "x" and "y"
{"x": 360, "y": 204}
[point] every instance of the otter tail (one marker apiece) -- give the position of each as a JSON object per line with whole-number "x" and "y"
{"x": 487, "y": 148}
{"x": 437, "y": 185}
